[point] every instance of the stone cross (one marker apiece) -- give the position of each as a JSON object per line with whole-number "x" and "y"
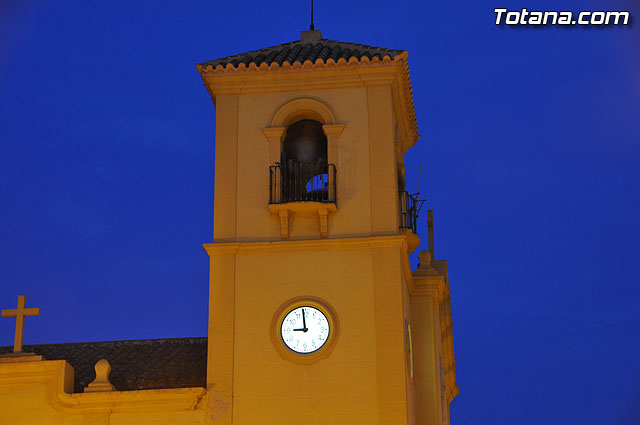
{"x": 19, "y": 313}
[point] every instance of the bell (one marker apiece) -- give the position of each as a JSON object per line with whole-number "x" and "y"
{"x": 305, "y": 142}
{"x": 304, "y": 163}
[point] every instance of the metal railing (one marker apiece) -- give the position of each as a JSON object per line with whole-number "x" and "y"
{"x": 409, "y": 208}
{"x": 301, "y": 182}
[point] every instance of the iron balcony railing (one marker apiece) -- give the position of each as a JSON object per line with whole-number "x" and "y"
{"x": 301, "y": 181}
{"x": 409, "y": 211}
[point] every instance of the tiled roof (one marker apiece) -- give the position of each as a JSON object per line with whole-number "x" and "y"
{"x": 302, "y": 51}
{"x": 314, "y": 52}
{"x": 135, "y": 365}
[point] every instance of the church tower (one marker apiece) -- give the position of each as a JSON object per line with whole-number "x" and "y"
{"x": 315, "y": 316}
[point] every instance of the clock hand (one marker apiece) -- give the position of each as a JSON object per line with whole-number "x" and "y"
{"x": 304, "y": 322}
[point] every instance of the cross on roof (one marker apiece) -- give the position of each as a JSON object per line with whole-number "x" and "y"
{"x": 19, "y": 313}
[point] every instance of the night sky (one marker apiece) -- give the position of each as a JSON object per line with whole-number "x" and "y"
{"x": 530, "y": 155}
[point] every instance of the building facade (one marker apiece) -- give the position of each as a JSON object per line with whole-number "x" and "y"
{"x": 315, "y": 315}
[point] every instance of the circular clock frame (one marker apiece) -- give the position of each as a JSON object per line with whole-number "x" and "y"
{"x": 304, "y": 358}
{"x": 409, "y": 342}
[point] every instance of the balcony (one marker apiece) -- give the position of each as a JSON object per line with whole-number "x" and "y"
{"x": 306, "y": 189}
{"x": 302, "y": 182}
{"x": 410, "y": 206}
{"x": 409, "y": 209}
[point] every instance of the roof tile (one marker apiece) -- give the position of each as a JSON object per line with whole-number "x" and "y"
{"x": 135, "y": 364}
{"x": 302, "y": 51}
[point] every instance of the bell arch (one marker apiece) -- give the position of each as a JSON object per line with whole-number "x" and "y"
{"x": 302, "y": 108}
{"x": 296, "y": 110}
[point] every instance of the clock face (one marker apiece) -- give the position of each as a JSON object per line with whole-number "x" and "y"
{"x": 305, "y": 329}
{"x": 409, "y": 343}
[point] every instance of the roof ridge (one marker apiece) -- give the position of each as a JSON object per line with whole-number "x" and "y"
{"x": 360, "y": 44}
{"x": 116, "y": 341}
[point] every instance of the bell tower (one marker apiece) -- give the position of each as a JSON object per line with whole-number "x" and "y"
{"x": 315, "y": 316}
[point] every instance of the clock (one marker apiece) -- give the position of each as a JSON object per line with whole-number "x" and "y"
{"x": 305, "y": 329}
{"x": 409, "y": 347}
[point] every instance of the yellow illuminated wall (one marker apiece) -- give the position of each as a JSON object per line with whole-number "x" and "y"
{"x": 352, "y": 258}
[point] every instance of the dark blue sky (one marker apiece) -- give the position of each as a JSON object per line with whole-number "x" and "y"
{"x": 530, "y": 150}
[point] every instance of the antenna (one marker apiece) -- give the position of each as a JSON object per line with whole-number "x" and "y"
{"x": 311, "y": 27}
{"x": 417, "y": 202}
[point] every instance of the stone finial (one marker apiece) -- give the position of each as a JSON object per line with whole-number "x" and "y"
{"x": 425, "y": 259}
{"x": 101, "y": 383}
{"x": 425, "y": 264}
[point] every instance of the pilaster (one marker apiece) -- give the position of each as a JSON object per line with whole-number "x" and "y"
{"x": 220, "y": 358}
{"x": 382, "y": 165}
{"x": 274, "y": 137}
{"x": 226, "y": 166}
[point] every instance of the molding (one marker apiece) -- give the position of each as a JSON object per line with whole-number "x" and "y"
{"x": 331, "y": 74}
{"x": 58, "y": 377}
{"x": 412, "y": 239}
{"x": 19, "y": 357}
{"x": 333, "y": 130}
{"x": 273, "y": 133}
{"x": 302, "y": 108}
{"x": 266, "y": 247}
{"x": 429, "y": 286}
{"x": 286, "y": 66}
{"x": 274, "y": 136}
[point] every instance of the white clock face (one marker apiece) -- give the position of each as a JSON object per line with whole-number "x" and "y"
{"x": 305, "y": 329}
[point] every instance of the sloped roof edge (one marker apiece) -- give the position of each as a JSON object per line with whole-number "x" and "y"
{"x": 301, "y": 55}
{"x": 302, "y": 51}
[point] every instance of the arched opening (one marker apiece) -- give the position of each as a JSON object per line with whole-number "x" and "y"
{"x": 303, "y": 173}
{"x": 304, "y": 161}
{"x": 304, "y": 142}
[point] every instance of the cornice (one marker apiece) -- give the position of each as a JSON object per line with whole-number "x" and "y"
{"x": 301, "y": 79}
{"x": 265, "y": 247}
{"x": 430, "y": 286}
{"x": 286, "y": 66}
{"x": 322, "y": 74}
